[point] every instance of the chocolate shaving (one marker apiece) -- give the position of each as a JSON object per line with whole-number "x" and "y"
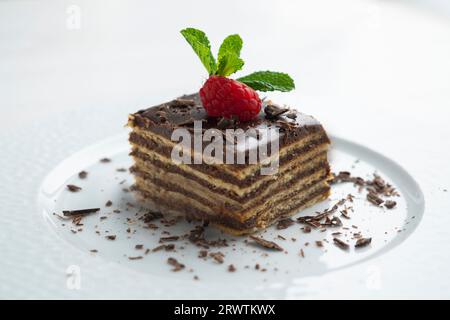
{"x": 345, "y": 176}
{"x": 231, "y": 268}
{"x": 73, "y": 188}
{"x": 202, "y": 254}
{"x": 150, "y": 216}
{"x": 375, "y": 188}
{"x": 139, "y": 246}
{"x": 374, "y": 199}
{"x": 166, "y": 247}
{"x": 197, "y": 237}
{"x": 76, "y": 220}
{"x": 302, "y": 253}
{"x": 362, "y": 242}
{"x": 382, "y": 187}
{"x": 82, "y": 174}
{"x": 341, "y": 244}
{"x": 135, "y": 258}
{"x": 111, "y": 237}
{"x": 217, "y": 256}
{"x": 285, "y": 223}
{"x": 69, "y": 213}
{"x": 345, "y": 214}
{"x": 175, "y": 264}
{"x": 167, "y": 239}
{"x": 108, "y": 203}
{"x": 266, "y": 244}
{"x": 105, "y": 160}
{"x": 315, "y": 221}
{"x": 273, "y": 111}
{"x": 390, "y": 204}
{"x": 336, "y": 222}
{"x": 291, "y": 115}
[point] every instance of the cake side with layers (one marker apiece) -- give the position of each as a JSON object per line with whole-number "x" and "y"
{"x": 235, "y": 197}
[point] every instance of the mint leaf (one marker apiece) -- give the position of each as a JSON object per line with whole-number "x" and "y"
{"x": 231, "y": 44}
{"x": 268, "y": 81}
{"x": 228, "y": 58}
{"x": 200, "y": 43}
{"x": 229, "y": 64}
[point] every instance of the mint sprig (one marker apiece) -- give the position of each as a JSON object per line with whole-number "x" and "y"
{"x": 268, "y": 81}
{"x": 229, "y": 62}
{"x": 200, "y": 43}
{"x": 229, "y": 52}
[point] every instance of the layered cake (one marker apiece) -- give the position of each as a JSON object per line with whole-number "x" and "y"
{"x": 235, "y": 197}
{"x": 224, "y": 155}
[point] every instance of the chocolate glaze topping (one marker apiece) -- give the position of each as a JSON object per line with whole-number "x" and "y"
{"x": 183, "y": 111}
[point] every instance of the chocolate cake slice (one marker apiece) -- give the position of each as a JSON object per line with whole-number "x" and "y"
{"x": 238, "y": 198}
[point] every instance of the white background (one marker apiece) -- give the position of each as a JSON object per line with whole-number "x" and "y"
{"x": 375, "y": 72}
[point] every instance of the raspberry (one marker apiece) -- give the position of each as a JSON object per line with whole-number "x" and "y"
{"x": 224, "y": 97}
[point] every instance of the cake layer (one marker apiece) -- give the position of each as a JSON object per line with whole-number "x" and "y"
{"x": 283, "y": 213}
{"x": 173, "y": 203}
{"x": 239, "y": 188}
{"x": 210, "y": 188}
{"x": 234, "y": 173}
{"x": 213, "y": 207}
{"x": 164, "y": 147}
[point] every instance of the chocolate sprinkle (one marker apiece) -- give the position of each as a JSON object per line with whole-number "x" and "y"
{"x": 167, "y": 239}
{"x": 285, "y": 223}
{"x": 82, "y": 174}
{"x": 68, "y": 213}
{"x": 217, "y": 256}
{"x": 175, "y": 264}
{"x": 151, "y": 216}
{"x": 266, "y": 244}
{"x": 302, "y": 253}
{"x": 341, "y": 244}
{"x": 362, "y": 242}
{"x": 273, "y": 111}
{"x": 73, "y": 188}
{"x": 374, "y": 199}
{"x": 390, "y": 204}
{"x": 202, "y": 254}
{"x": 166, "y": 247}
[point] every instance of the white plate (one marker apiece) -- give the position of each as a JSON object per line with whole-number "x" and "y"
{"x": 387, "y": 228}
{"x": 62, "y": 95}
